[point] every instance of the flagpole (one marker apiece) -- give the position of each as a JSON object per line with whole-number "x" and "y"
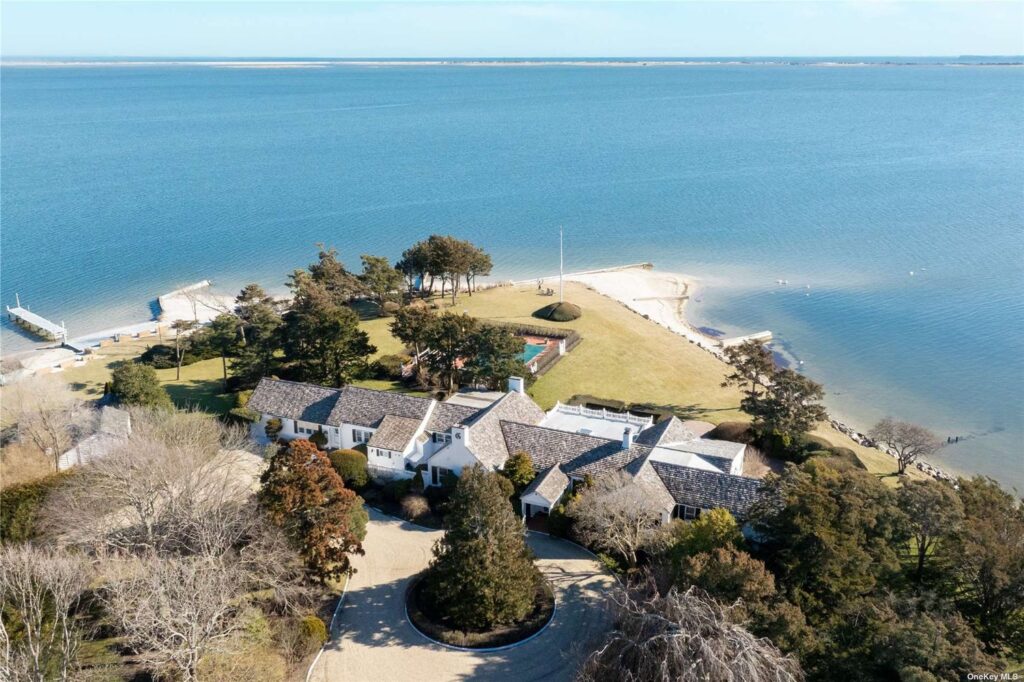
{"x": 561, "y": 266}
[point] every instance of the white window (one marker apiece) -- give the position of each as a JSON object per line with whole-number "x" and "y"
{"x": 360, "y": 436}
{"x": 443, "y": 438}
{"x": 307, "y": 430}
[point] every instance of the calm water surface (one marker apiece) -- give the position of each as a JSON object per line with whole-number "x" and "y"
{"x": 120, "y": 183}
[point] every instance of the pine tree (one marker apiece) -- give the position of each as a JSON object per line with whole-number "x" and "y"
{"x": 482, "y": 574}
{"x": 519, "y": 469}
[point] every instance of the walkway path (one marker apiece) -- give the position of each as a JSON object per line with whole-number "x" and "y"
{"x": 373, "y": 640}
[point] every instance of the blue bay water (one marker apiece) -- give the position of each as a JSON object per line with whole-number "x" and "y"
{"x": 120, "y": 183}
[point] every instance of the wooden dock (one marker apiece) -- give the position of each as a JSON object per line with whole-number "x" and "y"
{"x": 37, "y": 324}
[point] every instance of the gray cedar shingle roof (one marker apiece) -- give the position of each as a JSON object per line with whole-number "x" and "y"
{"x": 669, "y": 430}
{"x": 447, "y": 415}
{"x": 707, "y": 489}
{"x": 366, "y": 407}
{"x": 394, "y": 433}
{"x": 549, "y": 484}
{"x": 115, "y": 422}
{"x": 577, "y": 453}
{"x": 486, "y": 440}
{"x": 293, "y": 400}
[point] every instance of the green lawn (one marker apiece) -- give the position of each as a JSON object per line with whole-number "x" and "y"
{"x": 622, "y": 356}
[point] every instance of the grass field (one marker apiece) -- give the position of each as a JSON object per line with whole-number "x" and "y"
{"x": 622, "y": 356}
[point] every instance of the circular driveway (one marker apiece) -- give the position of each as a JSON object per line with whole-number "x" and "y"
{"x": 373, "y": 640}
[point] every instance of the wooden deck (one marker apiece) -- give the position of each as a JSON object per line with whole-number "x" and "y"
{"x": 37, "y": 324}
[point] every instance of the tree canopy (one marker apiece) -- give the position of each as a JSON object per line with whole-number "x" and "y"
{"x": 482, "y": 573}
{"x": 304, "y": 495}
{"x": 136, "y": 383}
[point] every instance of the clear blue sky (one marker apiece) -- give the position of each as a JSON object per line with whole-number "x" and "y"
{"x": 511, "y": 29}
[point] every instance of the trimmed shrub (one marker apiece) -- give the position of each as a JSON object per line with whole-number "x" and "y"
{"x": 319, "y": 439}
{"x": 390, "y": 366}
{"x": 273, "y": 428}
{"x": 560, "y": 523}
{"x": 20, "y": 504}
{"x": 737, "y": 432}
{"x": 559, "y": 312}
{"x": 414, "y": 506}
{"x": 351, "y": 466}
{"x": 390, "y": 308}
{"x": 313, "y": 630}
{"x": 394, "y": 491}
{"x": 417, "y": 481}
{"x": 242, "y": 398}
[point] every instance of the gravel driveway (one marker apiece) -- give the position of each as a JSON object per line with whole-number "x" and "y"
{"x": 373, "y": 640}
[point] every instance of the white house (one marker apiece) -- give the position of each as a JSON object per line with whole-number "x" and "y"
{"x": 402, "y": 434}
{"x": 115, "y": 425}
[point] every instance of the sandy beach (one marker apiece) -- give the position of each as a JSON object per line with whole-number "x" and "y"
{"x": 659, "y": 296}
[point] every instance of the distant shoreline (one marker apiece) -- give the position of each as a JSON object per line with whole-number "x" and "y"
{"x": 629, "y": 63}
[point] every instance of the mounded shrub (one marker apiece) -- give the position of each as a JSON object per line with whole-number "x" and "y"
{"x": 313, "y": 630}
{"x": 20, "y": 505}
{"x": 737, "y": 432}
{"x": 319, "y": 439}
{"x": 394, "y": 491}
{"x": 559, "y": 312}
{"x": 390, "y": 308}
{"x": 273, "y": 428}
{"x": 414, "y": 506}
{"x": 390, "y": 366}
{"x": 351, "y": 466}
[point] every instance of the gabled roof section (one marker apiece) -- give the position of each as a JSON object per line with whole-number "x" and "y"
{"x": 549, "y": 484}
{"x": 707, "y": 489}
{"x": 669, "y": 430}
{"x": 486, "y": 440}
{"x": 115, "y": 422}
{"x": 394, "y": 433}
{"x": 293, "y": 400}
{"x": 577, "y": 453}
{"x": 446, "y": 415}
{"x": 366, "y": 407}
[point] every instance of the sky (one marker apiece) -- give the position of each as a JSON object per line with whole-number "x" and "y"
{"x": 511, "y": 29}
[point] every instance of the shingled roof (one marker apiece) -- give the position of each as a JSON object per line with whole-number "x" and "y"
{"x": 366, "y": 407}
{"x": 293, "y": 400}
{"x": 707, "y": 489}
{"x": 487, "y": 441}
{"x": 549, "y": 484}
{"x": 447, "y": 415}
{"x": 669, "y": 430}
{"x": 577, "y": 453}
{"x": 394, "y": 433}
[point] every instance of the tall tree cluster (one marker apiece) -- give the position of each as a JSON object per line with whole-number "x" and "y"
{"x": 460, "y": 349}
{"x": 445, "y": 259}
{"x": 782, "y": 402}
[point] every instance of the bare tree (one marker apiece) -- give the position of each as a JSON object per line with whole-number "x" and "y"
{"x": 907, "y": 441}
{"x": 616, "y": 515}
{"x": 683, "y": 637}
{"x": 177, "y": 479}
{"x": 47, "y": 414}
{"x": 41, "y": 588}
{"x": 181, "y": 343}
{"x": 175, "y": 610}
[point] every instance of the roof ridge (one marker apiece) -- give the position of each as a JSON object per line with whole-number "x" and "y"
{"x": 299, "y": 383}
{"x": 705, "y": 471}
{"x": 567, "y": 433}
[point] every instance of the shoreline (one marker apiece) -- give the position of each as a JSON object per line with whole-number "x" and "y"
{"x": 661, "y": 297}
{"x": 657, "y": 296}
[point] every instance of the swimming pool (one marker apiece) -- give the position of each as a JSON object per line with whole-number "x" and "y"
{"x": 532, "y": 350}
